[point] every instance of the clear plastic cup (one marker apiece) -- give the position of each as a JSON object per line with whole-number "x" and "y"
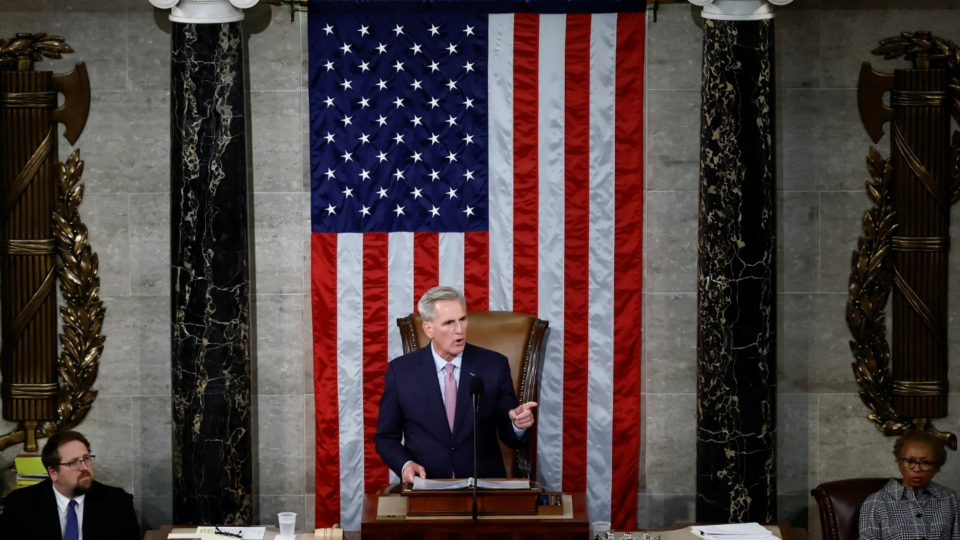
{"x": 600, "y": 528}
{"x": 288, "y": 522}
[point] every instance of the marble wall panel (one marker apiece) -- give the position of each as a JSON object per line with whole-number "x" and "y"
{"x": 279, "y": 432}
{"x": 672, "y": 146}
{"x": 953, "y": 305}
{"x": 153, "y": 344}
{"x": 98, "y": 39}
{"x": 126, "y": 143}
{"x": 277, "y": 243}
{"x": 279, "y": 365}
{"x": 119, "y": 371}
{"x": 797, "y": 421}
{"x": 666, "y": 510}
{"x": 307, "y": 344}
{"x": 824, "y": 144}
{"x": 798, "y": 241}
{"x": 275, "y": 136}
{"x": 153, "y": 473}
{"x": 70, "y": 6}
{"x": 671, "y": 444}
{"x": 841, "y": 216}
{"x": 304, "y": 53}
{"x": 847, "y": 37}
{"x": 814, "y": 355}
{"x": 107, "y": 217}
{"x": 309, "y": 443}
{"x": 674, "y": 48}
{"x": 148, "y": 53}
{"x": 150, "y": 243}
{"x": 797, "y": 48}
{"x": 849, "y": 444}
{"x": 670, "y": 324}
{"x": 309, "y": 511}
{"x": 670, "y": 241}
{"x": 273, "y": 49}
{"x": 307, "y": 236}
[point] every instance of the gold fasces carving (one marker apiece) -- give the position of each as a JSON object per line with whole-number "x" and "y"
{"x": 82, "y": 314}
{"x": 871, "y": 280}
{"x": 20, "y": 51}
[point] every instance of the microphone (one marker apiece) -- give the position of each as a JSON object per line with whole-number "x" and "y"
{"x": 476, "y": 390}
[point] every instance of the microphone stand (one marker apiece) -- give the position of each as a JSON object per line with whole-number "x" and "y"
{"x": 476, "y": 405}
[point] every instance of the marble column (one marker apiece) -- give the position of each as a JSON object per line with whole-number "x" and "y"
{"x": 212, "y": 422}
{"x": 736, "y": 278}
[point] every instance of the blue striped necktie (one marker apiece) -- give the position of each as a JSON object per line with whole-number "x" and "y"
{"x": 72, "y": 531}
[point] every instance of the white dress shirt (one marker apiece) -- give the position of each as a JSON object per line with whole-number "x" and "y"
{"x": 63, "y": 505}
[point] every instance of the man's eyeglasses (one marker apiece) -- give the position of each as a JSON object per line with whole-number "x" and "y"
{"x": 913, "y": 464}
{"x": 77, "y": 464}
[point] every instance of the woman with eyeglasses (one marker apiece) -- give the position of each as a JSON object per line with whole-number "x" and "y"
{"x": 914, "y": 507}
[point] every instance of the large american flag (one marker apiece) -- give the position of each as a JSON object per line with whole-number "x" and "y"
{"x": 499, "y": 153}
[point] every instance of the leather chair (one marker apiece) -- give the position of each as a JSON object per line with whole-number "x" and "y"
{"x": 840, "y": 503}
{"x": 519, "y": 337}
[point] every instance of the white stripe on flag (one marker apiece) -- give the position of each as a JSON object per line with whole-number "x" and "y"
{"x": 399, "y": 294}
{"x": 451, "y": 261}
{"x": 603, "y": 40}
{"x": 550, "y": 155}
{"x": 399, "y": 287}
{"x": 500, "y": 159}
{"x": 350, "y": 376}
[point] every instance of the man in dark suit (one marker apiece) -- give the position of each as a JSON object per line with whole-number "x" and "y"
{"x": 70, "y": 504}
{"x": 425, "y": 425}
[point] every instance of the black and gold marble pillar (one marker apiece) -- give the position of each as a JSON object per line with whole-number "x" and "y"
{"x": 736, "y": 329}
{"x": 212, "y": 426}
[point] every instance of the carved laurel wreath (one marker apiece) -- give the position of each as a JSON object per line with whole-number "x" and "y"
{"x": 870, "y": 277}
{"x": 31, "y": 47}
{"x": 82, "y": 314}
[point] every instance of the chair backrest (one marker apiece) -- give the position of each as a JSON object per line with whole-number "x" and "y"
{"x": 519, "y": 337}
{"x": 840, "y": 503}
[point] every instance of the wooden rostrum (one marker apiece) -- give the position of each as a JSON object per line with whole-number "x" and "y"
{"x": 906, "y": 235}
{"x": 42, "y": 239}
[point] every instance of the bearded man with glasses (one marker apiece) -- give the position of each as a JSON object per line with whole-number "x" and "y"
{"x": 914, "y": 507}
{"x": 70, "y": 505}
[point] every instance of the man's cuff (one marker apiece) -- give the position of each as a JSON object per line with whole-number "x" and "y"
{"x": 404, "y": 468}
{"x": 518, "y": 431}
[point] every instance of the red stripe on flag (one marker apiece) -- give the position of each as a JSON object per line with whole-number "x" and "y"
{"x": 375, "y": 253}
{"x": 323, "y": 261}
{"x": 576, "y": 251}
{"x": 476, "y": 270}
{"x": 628, "y": 264}
{"x": 426, "y": 263}
{"x": 526, "y": 44}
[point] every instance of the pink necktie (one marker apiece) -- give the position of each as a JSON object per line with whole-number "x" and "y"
{"x": 450, "y": 397}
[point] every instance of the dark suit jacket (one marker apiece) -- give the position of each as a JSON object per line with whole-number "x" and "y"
{"x": 412, "y": 409}
{"x": 31, "y": 513}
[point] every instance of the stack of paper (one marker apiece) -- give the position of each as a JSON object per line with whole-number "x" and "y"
{"x": 30, "y": 470}
{"x": 733, "y": 531}
{"x": 420, "y": 484}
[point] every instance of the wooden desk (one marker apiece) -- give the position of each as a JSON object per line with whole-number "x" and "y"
{"x": 577, "y": 528}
